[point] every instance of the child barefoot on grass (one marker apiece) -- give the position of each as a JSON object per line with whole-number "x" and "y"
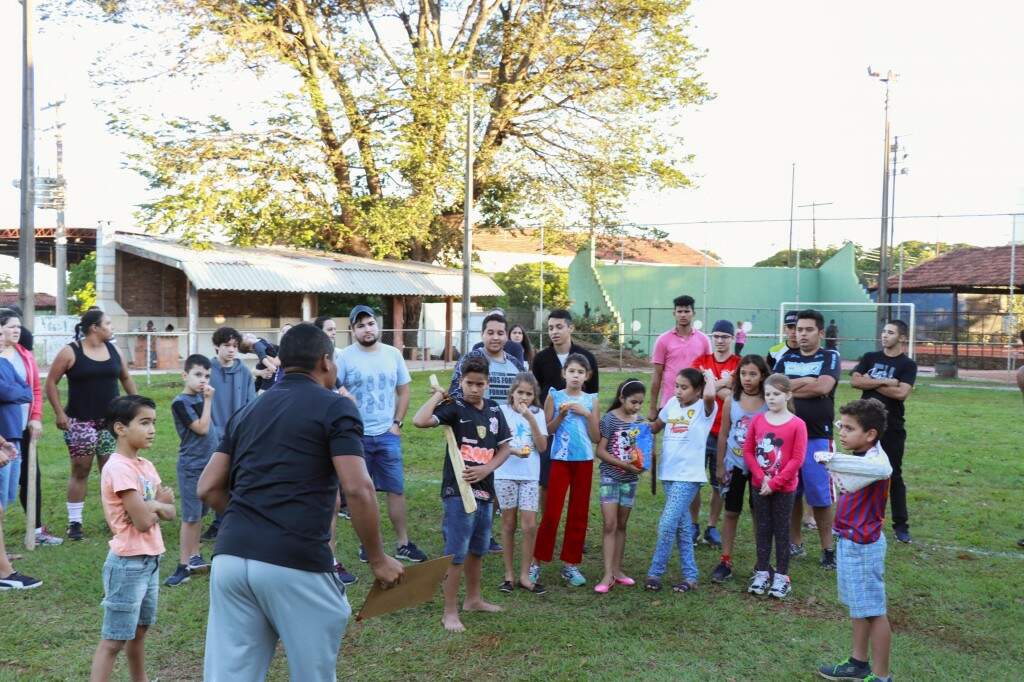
{"x": 619, "y": 474}
{"x": 134, "y": 503}
{"x": 517, "y": 480}
{"x": 687, "y": 419}
{"x": 483, "y": 437}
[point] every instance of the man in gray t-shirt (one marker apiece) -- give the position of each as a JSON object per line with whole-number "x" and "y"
{"x": 374, "y": 375}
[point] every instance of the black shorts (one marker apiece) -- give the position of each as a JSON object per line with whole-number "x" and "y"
{"x": 545, "y": 465}
{"x": 734, "y": 495}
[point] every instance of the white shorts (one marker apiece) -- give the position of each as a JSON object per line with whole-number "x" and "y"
{"x": 524, "y": 495}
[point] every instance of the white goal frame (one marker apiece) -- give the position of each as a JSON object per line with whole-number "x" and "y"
{"x": 800, "y": 305}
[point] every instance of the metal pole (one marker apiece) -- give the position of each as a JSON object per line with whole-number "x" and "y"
{"x": 792, "y": 190}
{"x": 892, "y": 205}
{"x": 542, "y": 272}
{"x": 27, "y": 227}
{"x": 467, "y": 228}
{"x": 883, "y": 256}
{"x": 61, "y": 239}
{"x": 1013, "y": 291}
{"x": 622, "y": 323}
{"x": 798, "y": 274}
{"x": 899, "y": 290}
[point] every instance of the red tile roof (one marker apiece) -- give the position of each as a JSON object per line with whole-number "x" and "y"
{"x": 42, "y": 300}
{"x": 634, "y": 249}
{"x": 975, "y": 267}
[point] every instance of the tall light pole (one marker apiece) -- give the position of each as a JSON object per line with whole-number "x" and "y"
{"x": 27, "y": 226}
{"x": 470, "y": 78}
{"x": 58, "y": 202}
{"x": 883, "y": 255}
{"x": 792, "y": 191}
{"x": 814, "y": 227}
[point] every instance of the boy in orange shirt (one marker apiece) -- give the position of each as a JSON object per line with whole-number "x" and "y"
{"x": 134, "y": 503}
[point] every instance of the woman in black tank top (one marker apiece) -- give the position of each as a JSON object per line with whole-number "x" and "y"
{"x": 93, "y": 368}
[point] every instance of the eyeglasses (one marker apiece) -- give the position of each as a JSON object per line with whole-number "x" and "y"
{"x": 720, "y": 337}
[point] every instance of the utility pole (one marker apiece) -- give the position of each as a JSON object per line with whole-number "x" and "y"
{"x": 27, "y": 225}
{"x": 814, "y": 228}
{"x": 470, "y": 78}
{"x": 883, "y": 255}
{"x": 792, "y": 189}
{"x": 60, "y": 239}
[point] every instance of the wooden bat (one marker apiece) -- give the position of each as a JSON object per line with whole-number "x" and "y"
{"x": 30, "y": 502}
{"x": 458, "y": 466}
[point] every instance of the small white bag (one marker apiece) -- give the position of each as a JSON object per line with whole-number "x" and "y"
{"x": 850, "y": 473}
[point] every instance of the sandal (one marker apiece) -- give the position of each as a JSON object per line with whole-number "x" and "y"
{"x": 507, "y": 587}
{"x": 536, "y": 589}
{"x": 685, "y": 586}
{"x": 652, "y": 584}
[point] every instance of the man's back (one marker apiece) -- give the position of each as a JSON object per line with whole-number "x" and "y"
{"x": 282, "y": 481}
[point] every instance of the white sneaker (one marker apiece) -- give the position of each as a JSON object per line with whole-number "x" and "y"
{"x": 781, "y": 586}
{"x": 43, "y": 537}
{"x": 759, "y": 583}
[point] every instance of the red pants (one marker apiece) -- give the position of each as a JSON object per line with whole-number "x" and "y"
{"x": 574, "y": 478}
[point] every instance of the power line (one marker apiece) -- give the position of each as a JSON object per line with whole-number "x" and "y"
{"x": 740, "y": 221}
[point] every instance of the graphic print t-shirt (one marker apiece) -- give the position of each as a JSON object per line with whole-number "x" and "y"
{"x": 478, "y": 433}
{"x": 685, "y": 441}
{"x": 623, "y": 442}
{"x": 739, "y": 426}
{"x": 372, "y": 377}
{"x": 730, "y": 365}
{"x": 502, "y": 373}
{"x": 776, "y": 451}
{"x": 878, "y": 365}
{"x": 571, "y": 442}
{"x": 818, "y": 413}
{"x": 516, "y": 467}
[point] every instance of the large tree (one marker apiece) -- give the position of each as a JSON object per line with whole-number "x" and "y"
{"x": 362, "y": 153}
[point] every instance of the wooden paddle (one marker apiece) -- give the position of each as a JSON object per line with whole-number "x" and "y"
{"x": 30, "y": 503}
{"x": 458, "y": 466}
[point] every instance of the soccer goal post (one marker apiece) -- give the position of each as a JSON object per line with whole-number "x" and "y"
{"x": 856, "y": 323}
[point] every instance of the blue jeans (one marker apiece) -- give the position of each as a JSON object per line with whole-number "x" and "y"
{"x": 466, "y": 533}
{"x": 9, "y": 474}
{"x": 383, "y": 455}
{"x": 674, "y": 528}
{"x": 131, "y": 585}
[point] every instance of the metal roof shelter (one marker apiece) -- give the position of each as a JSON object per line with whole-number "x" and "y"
{"x": 274, "y": 270}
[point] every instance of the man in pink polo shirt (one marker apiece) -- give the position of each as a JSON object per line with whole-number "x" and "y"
{"x": 674, "y": 350}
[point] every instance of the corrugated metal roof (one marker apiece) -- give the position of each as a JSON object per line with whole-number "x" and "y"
{"x": 286, "y": 270}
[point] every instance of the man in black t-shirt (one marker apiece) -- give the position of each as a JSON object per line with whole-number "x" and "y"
{"x": 483, "y": 438}
{"x": 813, "y": 372}
{"x": 888, "y": 376}
{"x": 274, "y": 478}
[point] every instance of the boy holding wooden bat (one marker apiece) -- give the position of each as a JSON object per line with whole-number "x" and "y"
{"x": 478, "y": 443}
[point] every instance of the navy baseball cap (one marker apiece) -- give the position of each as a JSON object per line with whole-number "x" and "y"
{"x": 361, "y": 310}
{"x": 789, "y": 320}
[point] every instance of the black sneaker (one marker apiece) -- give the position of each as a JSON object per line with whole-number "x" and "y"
{"x": 411, "y": 553}
{"x": 17, "y": 581}
{"x": 180, "y": 575}
{"x": 197, "y": 564}
{"x": 495, "y": 548}
{"x": 362, "y": 555}
{"x": 75, "y": 531}
{"x": 828, "y": 559}
{"x": 902, "y": 534}
{"x": 210, "y": 533}
{"x": 845, "y": 670}
{"x": 343, "y": 575}
{"x": 722, "y": 572}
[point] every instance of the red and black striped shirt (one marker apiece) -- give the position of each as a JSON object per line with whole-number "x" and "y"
{"x": 861, "y": 515}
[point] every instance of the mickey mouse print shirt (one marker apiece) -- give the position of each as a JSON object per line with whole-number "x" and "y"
{"x": 685, "y": 441}
{"x": 478, "y": 432}
{"x": 776, "y": 451}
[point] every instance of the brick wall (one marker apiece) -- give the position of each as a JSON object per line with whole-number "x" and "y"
{"x": 145, "y": 287}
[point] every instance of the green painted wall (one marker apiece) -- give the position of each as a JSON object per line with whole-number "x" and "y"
{"x": 644, "y": 293}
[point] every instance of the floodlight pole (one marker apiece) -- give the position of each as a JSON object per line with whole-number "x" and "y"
{"x": 27, "y": 226}
{"x": 883, "y": 256}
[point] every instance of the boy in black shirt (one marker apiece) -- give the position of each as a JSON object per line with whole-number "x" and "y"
{"x": 483, "y": 437}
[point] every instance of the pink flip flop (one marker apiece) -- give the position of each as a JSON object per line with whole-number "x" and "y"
{"x": 601, "y": 588}
{"x": 625, "y": 580}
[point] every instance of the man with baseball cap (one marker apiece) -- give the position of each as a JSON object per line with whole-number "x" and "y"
{"x": 375, "y": 376}
{"x": 780, "y": 349}
{"x": 723, "y": 363}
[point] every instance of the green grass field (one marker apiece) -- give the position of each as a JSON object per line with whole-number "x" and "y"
{"x": 955, "y": 600}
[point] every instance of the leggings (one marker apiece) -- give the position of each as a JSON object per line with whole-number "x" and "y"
{"x": 771, "y": 513}
{"x": 23, "y": 484}
{"x": 574, "y": 479}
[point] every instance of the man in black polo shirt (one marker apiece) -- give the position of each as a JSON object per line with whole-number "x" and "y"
{"x": 275, "y": 478}
{"x": 888, "y": 376}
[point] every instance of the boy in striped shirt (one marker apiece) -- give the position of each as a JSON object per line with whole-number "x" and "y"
{"x": 860, "y": 555}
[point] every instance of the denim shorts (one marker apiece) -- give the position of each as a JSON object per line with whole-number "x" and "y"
{"x": 192, "y": 508}
{"x": 466, "y": 533}
{"x": 383, "y": 455}
{"x": 617, "y": 492}
{"x": 860, "y": 576}
{"x": 815, "y": 484}
{"x": 9, "y": 476}
{"x": 130, "y": 588}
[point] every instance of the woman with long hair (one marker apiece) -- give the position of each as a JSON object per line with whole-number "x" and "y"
{"x": 93, "y": 368}
{"x": 519, "y": 335}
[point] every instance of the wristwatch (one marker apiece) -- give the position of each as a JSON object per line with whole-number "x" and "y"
{"x": 396, "y": 421}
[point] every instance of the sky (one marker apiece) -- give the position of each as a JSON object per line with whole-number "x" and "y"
{"x": 791, "y": 87}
